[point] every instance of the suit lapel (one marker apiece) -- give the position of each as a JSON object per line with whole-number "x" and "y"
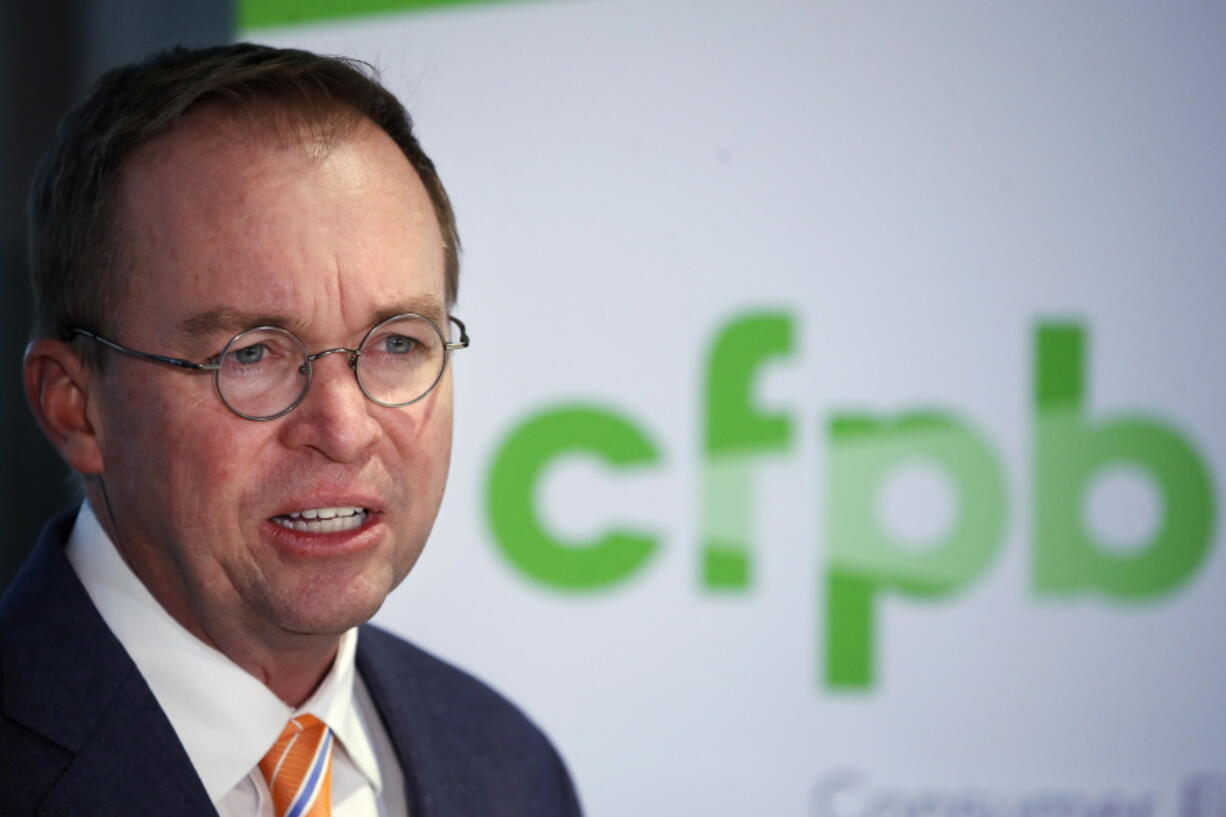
{"x": 430, "y": 755}
{"x": 131, "y": 764}
{"x": 86, "y": 695}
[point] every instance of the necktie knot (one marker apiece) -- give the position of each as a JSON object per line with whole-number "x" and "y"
{"x": 298, "y": 769}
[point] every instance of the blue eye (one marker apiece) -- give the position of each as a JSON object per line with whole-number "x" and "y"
{"x": 399, "y": 344}
{"x": 249, "y": 355}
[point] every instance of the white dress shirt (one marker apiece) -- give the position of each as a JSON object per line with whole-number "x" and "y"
{"x": 226, "y": 718}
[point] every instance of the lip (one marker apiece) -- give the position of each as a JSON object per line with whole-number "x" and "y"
{"x": 300, "y": 544}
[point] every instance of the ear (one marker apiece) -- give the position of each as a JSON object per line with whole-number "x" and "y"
{"x": 57, "y": 384}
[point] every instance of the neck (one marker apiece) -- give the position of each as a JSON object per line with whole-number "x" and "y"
{"x": 292, "y": 665}
{"x": 292, "y": 675}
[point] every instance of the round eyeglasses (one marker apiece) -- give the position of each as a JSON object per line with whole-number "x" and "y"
{"x": 264, "y": 373}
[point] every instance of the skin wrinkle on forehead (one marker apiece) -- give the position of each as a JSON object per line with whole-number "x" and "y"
{"x": 225, "y": 323}
{"x": 217, "y": 323}
{"x": 199, "y": 134}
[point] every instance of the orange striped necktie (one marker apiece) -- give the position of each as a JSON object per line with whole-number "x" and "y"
{"x": 298, "y": 769}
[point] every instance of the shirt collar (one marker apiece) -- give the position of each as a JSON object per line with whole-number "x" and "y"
{"x": 225, "y": 718}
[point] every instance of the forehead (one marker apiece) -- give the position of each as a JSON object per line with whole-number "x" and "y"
{"x": 220, "y": 218}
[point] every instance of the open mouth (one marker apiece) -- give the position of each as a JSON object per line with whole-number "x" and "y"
{"x": 324, "y": 520}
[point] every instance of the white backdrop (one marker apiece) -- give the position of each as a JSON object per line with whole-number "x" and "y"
{"x": 910, "y": 189}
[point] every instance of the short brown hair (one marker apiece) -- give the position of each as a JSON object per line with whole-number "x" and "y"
{"x": 74, "y": 234}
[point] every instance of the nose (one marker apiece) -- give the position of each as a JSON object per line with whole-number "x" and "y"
{"x": 334, "y": 418}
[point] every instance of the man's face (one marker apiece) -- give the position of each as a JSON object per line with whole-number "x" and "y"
{"x": 223, "y": 231}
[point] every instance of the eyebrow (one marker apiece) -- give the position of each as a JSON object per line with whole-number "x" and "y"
{"x": 232, "y": 321}
{"x": 213, "y": 322}
{"x": 425, "y": 306}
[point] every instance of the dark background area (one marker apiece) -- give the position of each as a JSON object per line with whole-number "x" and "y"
{"x": 52, "y": 51}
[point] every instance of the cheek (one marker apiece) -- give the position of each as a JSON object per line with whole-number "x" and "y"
{"x": 437, "y": 460}
{"x": 434, "y": 434}
{"x": 427, "y": 423}
{"x": 423, "y": 445}
{"x": 206, "y": 445}
{"x": 158, "y": 415}
{"x": 184, "y": 456}
{"x": 200, "y": 470}
{"x": 136, "y": 433}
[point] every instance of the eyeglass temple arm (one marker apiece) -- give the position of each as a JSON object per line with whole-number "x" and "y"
{"x": 462, "y": 343}
{"x": 171, "y": 361}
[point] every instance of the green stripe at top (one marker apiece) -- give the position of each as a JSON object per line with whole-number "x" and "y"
{"x": 267, "y": 13}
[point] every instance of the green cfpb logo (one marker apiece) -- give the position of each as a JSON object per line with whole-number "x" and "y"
{"x": 865, "y": 561}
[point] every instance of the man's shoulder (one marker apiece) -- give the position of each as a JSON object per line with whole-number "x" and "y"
{"x": 69, "y": 695}
{"x": 392, "y": 665}
{"x": 462, "y": 742}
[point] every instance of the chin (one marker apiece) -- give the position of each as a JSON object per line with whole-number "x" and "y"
{"x": 326, "y": 622}
{"x": 327, "y": 610}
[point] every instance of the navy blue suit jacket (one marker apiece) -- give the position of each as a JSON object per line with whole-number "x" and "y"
{"x": 81, "y": 734}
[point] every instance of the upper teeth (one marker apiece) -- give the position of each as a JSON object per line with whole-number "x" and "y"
{"x": 324, "y": 513}
{"x": 323, "y": 520}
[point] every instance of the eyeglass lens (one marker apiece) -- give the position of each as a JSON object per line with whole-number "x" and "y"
{"x": 264, "y": 372}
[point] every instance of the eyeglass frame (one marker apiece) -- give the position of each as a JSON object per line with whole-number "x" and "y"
{"x": 308, "y": 359}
